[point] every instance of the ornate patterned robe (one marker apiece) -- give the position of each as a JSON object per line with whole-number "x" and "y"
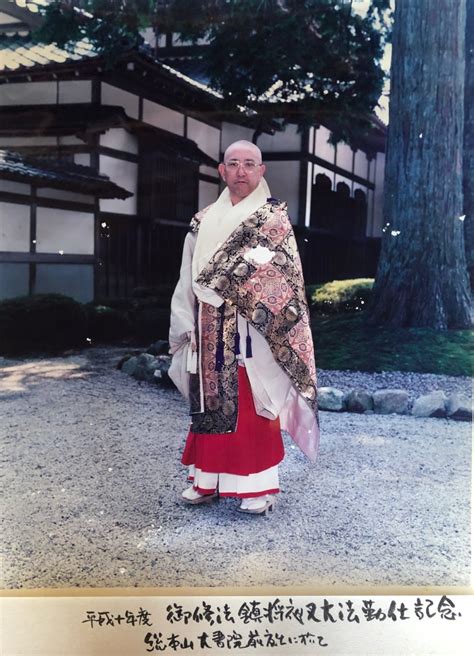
{"x": 257, "y": 272}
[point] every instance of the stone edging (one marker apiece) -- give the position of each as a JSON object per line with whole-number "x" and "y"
{"x": 153, "y": 366}
{"x": 395, "y": 401}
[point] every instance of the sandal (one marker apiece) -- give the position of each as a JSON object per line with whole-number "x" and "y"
{"x": 257, "y": 505}
{"x": 193, "y": 497}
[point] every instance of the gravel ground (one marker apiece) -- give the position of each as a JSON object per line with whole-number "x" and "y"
{"x": 92, "y": 478}
{"x": 415, "y": 384}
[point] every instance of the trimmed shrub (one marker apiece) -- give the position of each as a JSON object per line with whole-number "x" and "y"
{"x": 159, "y": 295}
{"x": 107, "y": 323}
{"x": 151, "y": 311}
{"x": 50, "y": 322}
{"x": 152, "y": 323}
{"x": 340, "y": 295}
{"x": 120, "y": 303}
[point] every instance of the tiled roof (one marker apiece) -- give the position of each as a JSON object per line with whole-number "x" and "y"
{"x": 193, "y": 68}
{"x": 31, "y": 5}
{"x": 170, "y": 144}
{"x": 20, "y": 55}
{"x": 192, "y": 72}
{"x": 81, "y": 119}
{"x": 20, "y": 15}
{"x": 59, "y": 175}
{"x": 60, "y": 120}
{"x": 19, "y": 52}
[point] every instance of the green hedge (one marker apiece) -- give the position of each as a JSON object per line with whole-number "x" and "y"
{"x": 151, "y": 322}
{"x": 53, "y": 322}
{"x": 159, "y": 295}
{"x": 340, "y": 295}
{"x": 49, "y": 322}
{"x": 107, "y": 323}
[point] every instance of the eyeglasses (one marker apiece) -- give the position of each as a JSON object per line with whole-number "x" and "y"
{"x": 248, "y": 165}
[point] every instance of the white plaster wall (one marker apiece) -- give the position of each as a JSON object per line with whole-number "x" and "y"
{"x": 231, "y": 133}
{"x": 208, "y": 193}
{"x": 372, "y": 168}
{"x": 14, "y": 227}
{"x": 360, "y": 164}
{"x": 288, "y": 140}
{"x": 114, "y": 96}
{"x": 75, "y": 91}
{"x": 378, "y": 196}
{"x": 70, "y": 140}
{"x": 119, "y": 139}
{"x": 75, "y": 280}
{"x": 150, "y": 37}
{"x": 163, "y": 117}
{"x": 64, "y": 230}
{"x": 283, "y": 180}
{"x": 311, "y": 140}
{"x": 309, "y": 192}
{"x": 344, "y": 155}
{"x": 84, "y": 159}
{"x": 28, "y": 93}
{"x": 206, "y": 137}
{"x": 209, "y": 170}
{"x": 125, "y": 175}
{"x": 15, "y": 187}
{"x": 62, "y": 194}
{"x": 14, "y": 279}
{"x": 324, "y": 149}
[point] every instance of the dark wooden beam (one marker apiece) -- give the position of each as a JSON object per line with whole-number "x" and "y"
{"x": 45, "y": 258}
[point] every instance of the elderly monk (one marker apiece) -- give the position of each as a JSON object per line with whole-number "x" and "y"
{"x": 241, "y": 340}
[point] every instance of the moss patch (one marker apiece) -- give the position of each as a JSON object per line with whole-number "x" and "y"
{"x": 343, "y": 341}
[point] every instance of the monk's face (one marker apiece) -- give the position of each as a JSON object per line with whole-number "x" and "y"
{"x": 242, "y": 171}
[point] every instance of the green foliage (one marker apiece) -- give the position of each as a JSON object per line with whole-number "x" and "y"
{"x": 345, "y": 342}
{"x": 299, "y": 61}
{"x": 151, "y": 323}
{"x": 340, "y": 295}
{"x": 50, "y": 322}
{"x": 107, "y": 324}
{"x": 53, "y": 322}
{"x": 112, "y": 26}
{"x": 159, "y": 295}
{"x": 151, "y": 311}
{"x": 296, "y": 60}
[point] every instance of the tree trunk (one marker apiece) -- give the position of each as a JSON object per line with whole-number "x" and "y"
{"x": 422, "y": 277}
{"x": 468, "y": 181}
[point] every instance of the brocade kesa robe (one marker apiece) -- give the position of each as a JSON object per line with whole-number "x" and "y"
{"x": 264, "y": 319}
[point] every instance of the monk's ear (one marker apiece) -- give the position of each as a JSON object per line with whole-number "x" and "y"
{"x": 263, "y": 168}
{"x": 221, "y": 169}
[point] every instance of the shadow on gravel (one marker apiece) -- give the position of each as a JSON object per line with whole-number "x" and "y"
{"x": 17, "y": 379}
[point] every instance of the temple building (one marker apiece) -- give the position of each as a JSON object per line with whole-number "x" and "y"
{"x": 102, "y": 168}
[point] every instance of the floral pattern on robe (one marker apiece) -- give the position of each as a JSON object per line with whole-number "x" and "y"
{"x": 258, "y": 273}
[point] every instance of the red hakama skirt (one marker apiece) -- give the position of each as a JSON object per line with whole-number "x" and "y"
{"x": 256, "y": 444}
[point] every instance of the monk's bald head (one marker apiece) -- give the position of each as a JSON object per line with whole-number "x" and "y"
{"x": 242, "y": 169}
{"x": 248, "y": 146}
